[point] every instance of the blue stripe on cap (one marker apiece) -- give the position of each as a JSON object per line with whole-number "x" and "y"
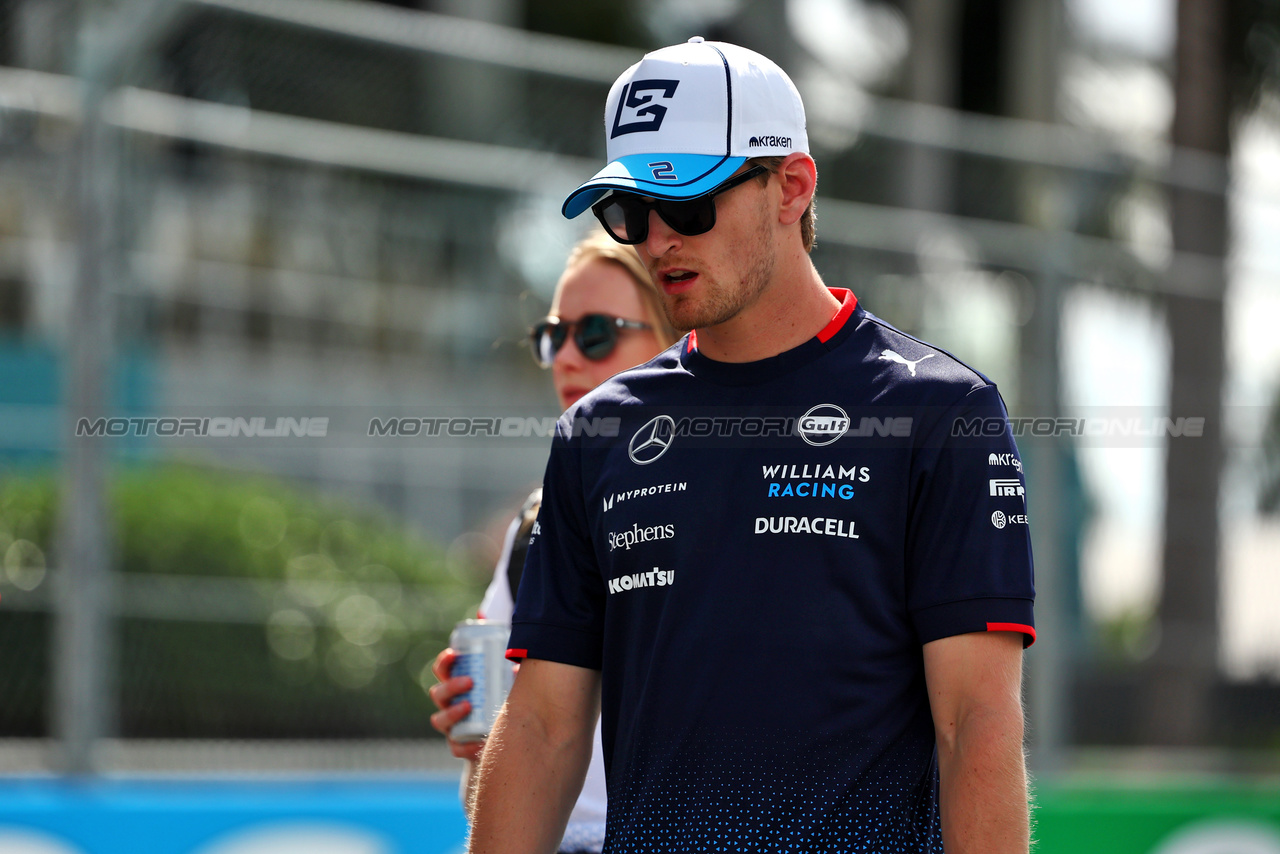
{"x": 662, "y": 176}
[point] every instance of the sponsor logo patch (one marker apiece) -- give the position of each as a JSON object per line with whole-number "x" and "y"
{"x": 823, "y": 424}
{"x": 642, "y": 492}
{"x": 1006, "y": 487}
{"x": 652, "y": 440}
{"x": 769, "y": 142}
{"x": 1000, "y": 519}
{"x": 806, "y": 525}
{"x": 1004, "y": 460}
{"x": 637, "y": 580}
{"x": 635, "y": 534}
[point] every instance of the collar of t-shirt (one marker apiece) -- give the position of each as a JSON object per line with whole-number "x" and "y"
{"x": 763, "y": 370}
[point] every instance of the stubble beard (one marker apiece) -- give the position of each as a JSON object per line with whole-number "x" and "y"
{"x": 720, "y": 302}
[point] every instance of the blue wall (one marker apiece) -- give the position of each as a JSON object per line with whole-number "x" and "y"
{"x": 33, "y": 426}
{"x": 365, "y": 816}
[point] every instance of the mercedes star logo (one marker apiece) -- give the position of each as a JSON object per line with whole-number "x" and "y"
{"x": 652, "y": 440}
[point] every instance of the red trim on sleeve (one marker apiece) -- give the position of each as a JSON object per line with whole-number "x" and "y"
{"x": 848, "y": 302}
{"x": 517, "y": 654}
{"x": 1029, "y": 631}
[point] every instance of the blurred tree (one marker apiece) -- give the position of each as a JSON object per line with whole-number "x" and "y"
{"x": 1255, "y": 72}
{"x": 1182, "y": 672}
{"x": 1226, "y": 56}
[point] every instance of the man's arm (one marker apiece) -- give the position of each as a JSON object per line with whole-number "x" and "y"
{"x": 535, "y": 760}
{"x": 975, "y": 694}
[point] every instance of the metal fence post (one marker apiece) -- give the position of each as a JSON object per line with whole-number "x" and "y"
{"x": 84, "y": 640}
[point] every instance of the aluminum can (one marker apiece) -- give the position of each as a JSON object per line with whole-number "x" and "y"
{"x": 482, "y": 654}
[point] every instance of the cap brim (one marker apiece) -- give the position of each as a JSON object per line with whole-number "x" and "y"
{"x": 662, "y": 176}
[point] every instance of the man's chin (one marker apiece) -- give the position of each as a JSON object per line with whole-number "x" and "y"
{"x": 685, "y": 313}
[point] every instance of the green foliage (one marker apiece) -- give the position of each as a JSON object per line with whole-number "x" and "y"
{"x": 189, "y": 521}
{"x": 28, "y": 513}
{"x": 1128, "y": 637}
{"x": 278, "y": 614}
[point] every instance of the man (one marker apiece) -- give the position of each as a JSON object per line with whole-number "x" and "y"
{"x": 798, "y": 578}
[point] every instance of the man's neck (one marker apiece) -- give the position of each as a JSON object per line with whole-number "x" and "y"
{"x": 790, "y": 311}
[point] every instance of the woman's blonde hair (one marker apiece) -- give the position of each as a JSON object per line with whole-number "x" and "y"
{"x": 600, "y": 245}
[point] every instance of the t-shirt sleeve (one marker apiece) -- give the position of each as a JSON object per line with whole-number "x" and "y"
{"x": 559, "y": 612}
{"x": 969, "y": 566}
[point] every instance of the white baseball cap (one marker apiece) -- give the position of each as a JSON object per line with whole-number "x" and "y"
{"x": 684, "y": 118}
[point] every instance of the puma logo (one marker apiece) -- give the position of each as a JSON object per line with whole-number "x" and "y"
{"x": 890, "y": 356}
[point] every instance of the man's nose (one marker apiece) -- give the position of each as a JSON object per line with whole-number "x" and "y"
{"x": 662, "y": 237}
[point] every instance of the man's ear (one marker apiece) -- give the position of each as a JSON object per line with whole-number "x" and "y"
{"x": 798, "y": 178}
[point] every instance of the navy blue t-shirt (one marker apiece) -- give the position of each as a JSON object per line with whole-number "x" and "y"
{"x": 754, "y": 555}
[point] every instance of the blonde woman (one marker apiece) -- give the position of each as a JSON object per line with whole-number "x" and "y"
{"x": 605, "y": 317}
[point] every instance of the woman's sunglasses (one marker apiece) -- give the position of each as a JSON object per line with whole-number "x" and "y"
{"x": 595, "y": 335}
{"x": 626, "y": 215}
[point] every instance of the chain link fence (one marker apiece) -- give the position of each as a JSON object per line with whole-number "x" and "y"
{"x": 321, "y": 209}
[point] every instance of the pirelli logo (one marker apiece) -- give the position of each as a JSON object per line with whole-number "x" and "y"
{"x": 1006, "y": 487}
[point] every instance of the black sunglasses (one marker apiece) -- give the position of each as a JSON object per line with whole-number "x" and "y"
{"x": 626, "y": 215}
{"x": 595, "y": 334}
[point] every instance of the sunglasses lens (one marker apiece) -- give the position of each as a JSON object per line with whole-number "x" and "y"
{"x": 626, "y": 218}
{"x": 547, "y": 339}
{"x": 690, "y": 217}
{"x": 613, "y": 216}
{"x": 596, "y": 336}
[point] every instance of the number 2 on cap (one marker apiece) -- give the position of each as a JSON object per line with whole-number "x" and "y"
{"x": 663, "y": 170}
